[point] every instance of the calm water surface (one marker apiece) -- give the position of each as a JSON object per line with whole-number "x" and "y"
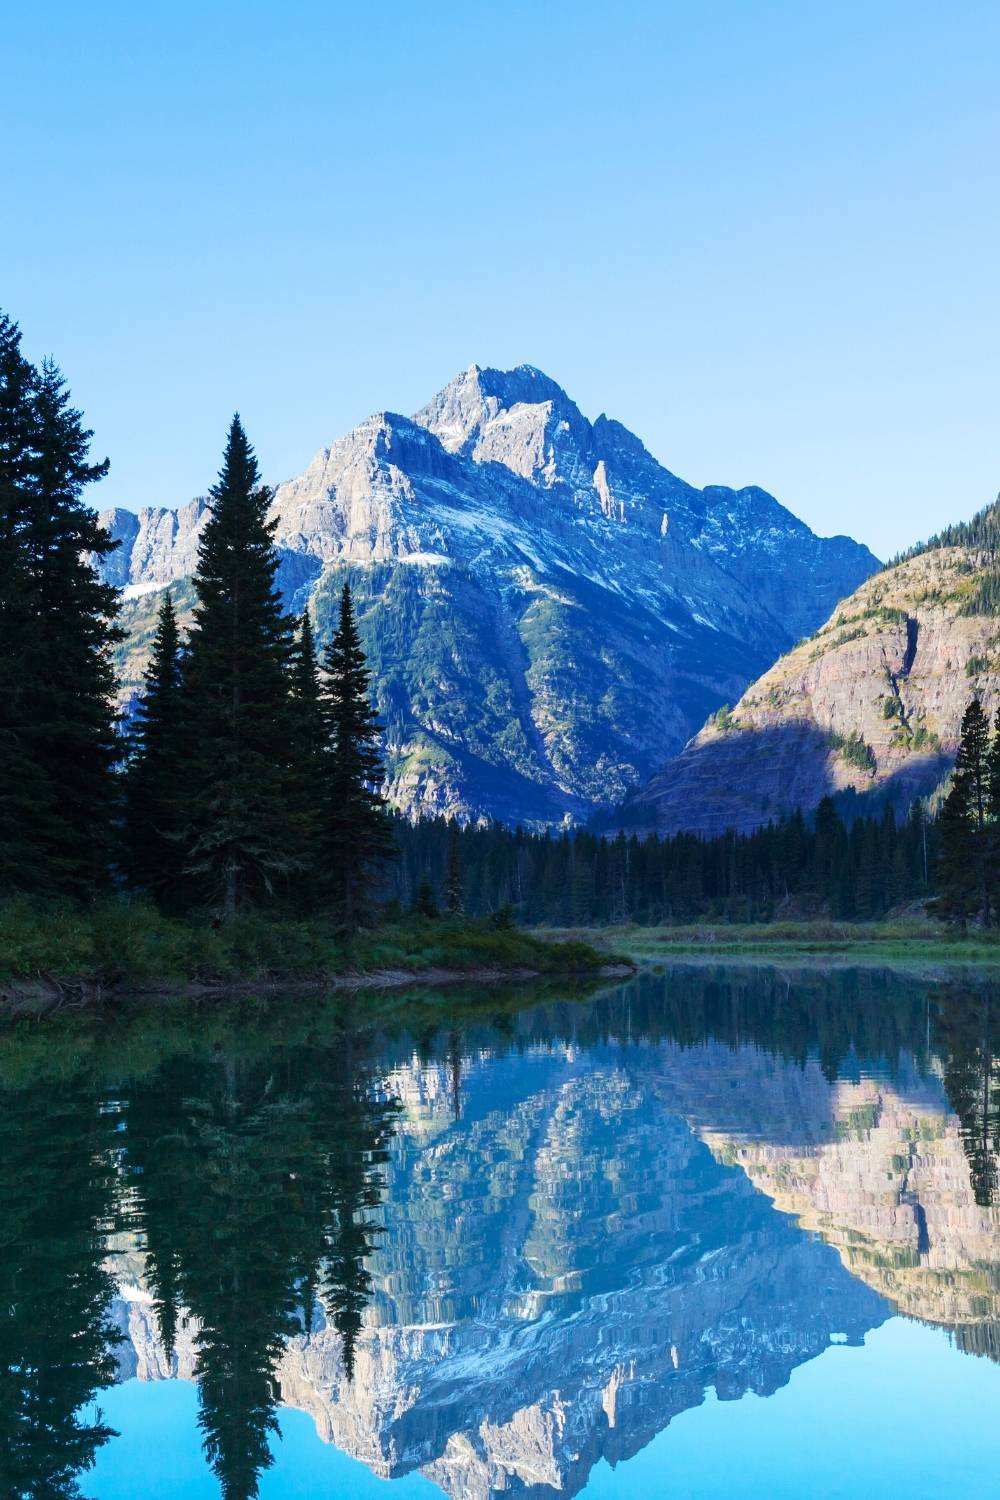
{"x": 716, "y": 1233}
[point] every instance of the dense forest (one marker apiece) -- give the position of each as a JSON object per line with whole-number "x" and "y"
{"x": 249, "y": 775}
{"x": 796, "y": 867}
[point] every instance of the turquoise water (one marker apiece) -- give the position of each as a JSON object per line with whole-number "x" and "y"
{"x": 715, "y": 1233}
{"x": 159, "y": 1454}
{"x": 856, "y": 1422}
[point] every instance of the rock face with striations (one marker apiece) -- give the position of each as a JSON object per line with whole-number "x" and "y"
{"x": 547, "y": 610}
{"x": 872, "y": 702}
{"x": 156, "y": 547}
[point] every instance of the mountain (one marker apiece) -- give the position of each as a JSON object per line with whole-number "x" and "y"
{"x": 547, "y": 610}
{"x": 872, "y": 702}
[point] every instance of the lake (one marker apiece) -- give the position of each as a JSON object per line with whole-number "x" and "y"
{"x": 716, "y": 1232}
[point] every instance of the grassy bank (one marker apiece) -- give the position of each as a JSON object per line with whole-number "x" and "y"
{"x": 115, "y": 947}
{"x": 909, "y": 939}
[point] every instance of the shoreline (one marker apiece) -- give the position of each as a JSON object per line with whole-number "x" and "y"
{"x": 897, "y": 943}
{"x": 50, "y": 995}
{"x": 61, "y": 958}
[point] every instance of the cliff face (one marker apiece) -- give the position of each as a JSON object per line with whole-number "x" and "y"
{"x": 547, "y": 609}
{"x": 873, "y": 701}
{"x": 156, "y": 546}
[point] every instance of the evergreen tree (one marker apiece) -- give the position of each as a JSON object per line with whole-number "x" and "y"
{"x": 992, "y": 838}
{"x": 582, "y": 891}
{"x": 964, "y": 869}
{"x": 217, "y": 1145}
{"x": 154, "y": 785}
{"x": 28, "y": 823}
{"x": 968, "y": 1043}
{"x": 424, "y": 904}
{"x": 57, "y": 1336}
{"x": 58, "y": 745}
{"x": 256, "y": 1167}
{"x": 309, "y": 724}
{"x": 240, "y": 840}
{"x": 453, "y": 884}
{"x": 309, "y": 742}
{"x": 357, "y": 837}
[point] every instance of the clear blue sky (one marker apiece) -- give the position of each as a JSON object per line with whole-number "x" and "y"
{"x": 764, "y": 236}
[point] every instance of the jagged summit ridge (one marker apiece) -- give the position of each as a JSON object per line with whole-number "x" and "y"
{"x": 549, "y": 611}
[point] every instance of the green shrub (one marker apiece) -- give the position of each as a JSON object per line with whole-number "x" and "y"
{"x": 36, "y": 938}
{"x": 125, "y": 944}
{"x": 926, "y": 739}
{"x": 854, "y": 749}
{"x": 857, "y": 634}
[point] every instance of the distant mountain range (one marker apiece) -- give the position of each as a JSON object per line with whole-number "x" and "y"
{"x": 549, "y": 612}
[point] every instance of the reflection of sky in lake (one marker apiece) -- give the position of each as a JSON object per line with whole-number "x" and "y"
{"x": 906, "y": 1418}
{"x": 650, "y": 1243}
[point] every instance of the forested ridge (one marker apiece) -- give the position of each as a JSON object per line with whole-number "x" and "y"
{"x": 801, "y": 867}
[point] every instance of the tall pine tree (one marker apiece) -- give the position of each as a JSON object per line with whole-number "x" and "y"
{"x": 357, "y": 836}
{"x": 58, "y": 745}
{"x": 28, "y": 823}
{"x": 309, "y": 743}
{"x": 453, "y": 882}
{"x": 964, "y": 872}
{"x": 155, "y": 779}
{"x": 240, "y": 842}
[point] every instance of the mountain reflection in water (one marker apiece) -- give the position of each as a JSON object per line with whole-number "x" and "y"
{"x": 495, "y": 1238}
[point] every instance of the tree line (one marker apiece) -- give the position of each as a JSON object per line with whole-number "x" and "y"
{"x": 796, "y": 867}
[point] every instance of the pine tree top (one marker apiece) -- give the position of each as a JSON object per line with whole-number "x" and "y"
{"x": 237, "y": 561}
{"x": 164, "y": 671}
{"x": 306, "y": 664}
{"x": 240, "y": 472}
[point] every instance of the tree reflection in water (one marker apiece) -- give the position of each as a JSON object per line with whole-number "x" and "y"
{"x": 243, "y": 1154}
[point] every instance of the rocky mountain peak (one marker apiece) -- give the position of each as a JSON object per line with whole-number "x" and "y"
{"x": 519, "y": 418}
{"x": 548, "y": 610}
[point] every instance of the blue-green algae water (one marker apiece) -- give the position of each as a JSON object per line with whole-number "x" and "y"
{"x": 717, "y": 1232}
